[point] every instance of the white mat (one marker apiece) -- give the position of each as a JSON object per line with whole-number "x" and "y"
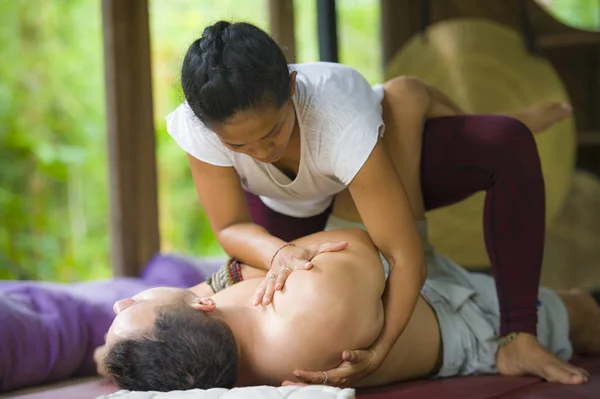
{"x": 259, "y": 392}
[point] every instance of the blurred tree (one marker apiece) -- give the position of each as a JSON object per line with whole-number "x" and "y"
{"x": 53, "y": 188}
{"x": 52, "y": 158}
{"x": 582, "y": 14}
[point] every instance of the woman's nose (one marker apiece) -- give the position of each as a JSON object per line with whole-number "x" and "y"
{"x": 263, "y": 151}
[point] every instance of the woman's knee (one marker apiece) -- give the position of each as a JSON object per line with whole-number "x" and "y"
{"x": 500, "y": 138}
{"x": 501, "y": 131}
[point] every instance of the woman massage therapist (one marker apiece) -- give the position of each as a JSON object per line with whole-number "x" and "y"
{"x": 298, "y": 135}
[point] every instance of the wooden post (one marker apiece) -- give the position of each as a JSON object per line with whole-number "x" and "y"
{"x": 281, "y": 17}
{"x": 131, "y": 142}
{"x": 399, "y": 21}
{"x": 327, "y": 30}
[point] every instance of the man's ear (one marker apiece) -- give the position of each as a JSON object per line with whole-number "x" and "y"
{"x": 293, "y": 83}
{"x": 206, "y": 304}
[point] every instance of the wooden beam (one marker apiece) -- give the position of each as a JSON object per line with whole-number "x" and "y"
{"x": 588, "y": 139}
{"x": 594, "y": 93}
{"x": 131, "y": 142}
{"x": 327, "y": 30}
{"x": 281, "y": 17}
{"x": 399, "y": 21}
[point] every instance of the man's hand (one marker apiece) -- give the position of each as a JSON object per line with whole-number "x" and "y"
{"x": 525, "y": 355}
{"x": 355, "y": 365}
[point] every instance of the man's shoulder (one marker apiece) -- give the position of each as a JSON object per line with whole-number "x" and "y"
{"x": 348, "y": 231}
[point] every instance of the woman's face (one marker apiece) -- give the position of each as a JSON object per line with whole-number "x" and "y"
{"x": 261, "y": 133}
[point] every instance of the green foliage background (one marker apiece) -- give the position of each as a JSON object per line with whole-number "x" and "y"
{"x": 53, "y": 171}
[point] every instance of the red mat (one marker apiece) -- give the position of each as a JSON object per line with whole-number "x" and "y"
{"x": 479, "y": 387}
{"x": 492, "y": 387}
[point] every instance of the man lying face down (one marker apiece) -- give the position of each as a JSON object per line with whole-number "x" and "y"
{"x": 173, "y": 339}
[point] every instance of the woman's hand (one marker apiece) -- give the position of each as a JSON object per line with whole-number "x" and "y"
{"x": 355, "y": 365}
{"x": 287, "y": 259}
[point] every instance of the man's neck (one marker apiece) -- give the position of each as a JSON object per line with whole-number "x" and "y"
{"x": 242, "y": 321}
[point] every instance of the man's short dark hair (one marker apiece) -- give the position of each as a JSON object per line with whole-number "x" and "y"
{"x": 183, "y": 350}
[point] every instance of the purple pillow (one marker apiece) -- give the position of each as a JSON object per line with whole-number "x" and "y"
{"x": 50, "y": 330}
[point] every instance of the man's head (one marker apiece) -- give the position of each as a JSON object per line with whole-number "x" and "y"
{"x": 165, "y": 339}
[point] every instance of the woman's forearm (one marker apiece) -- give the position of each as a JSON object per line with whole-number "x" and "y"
{"x": 384, "y": 206}
{"x": 250, "y": 244}
{"x": 399, "y": 299}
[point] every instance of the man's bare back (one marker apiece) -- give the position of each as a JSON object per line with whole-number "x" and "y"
{"x": 334, "y": 307}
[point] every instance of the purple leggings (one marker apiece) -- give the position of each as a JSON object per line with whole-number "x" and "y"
{"x": 462, "y": 155}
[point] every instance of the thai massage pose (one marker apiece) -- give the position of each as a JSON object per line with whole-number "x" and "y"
{"x": 279, "y": 151}
{"x": 166, "y": 338}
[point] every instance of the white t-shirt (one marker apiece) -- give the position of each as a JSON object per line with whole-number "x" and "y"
{"x": 339, "y": 116}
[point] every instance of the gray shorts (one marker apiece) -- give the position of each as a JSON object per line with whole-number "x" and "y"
{"x": 467, "y": 310}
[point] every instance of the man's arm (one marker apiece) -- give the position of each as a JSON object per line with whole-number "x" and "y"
{"x": 203, "y": 289}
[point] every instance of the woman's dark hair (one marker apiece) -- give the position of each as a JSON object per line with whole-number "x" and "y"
{"x": 183, "y": 350}
{"x": 232, "y": 68}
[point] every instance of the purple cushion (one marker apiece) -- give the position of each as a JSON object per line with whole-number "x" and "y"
{"x": 50, "y": 330}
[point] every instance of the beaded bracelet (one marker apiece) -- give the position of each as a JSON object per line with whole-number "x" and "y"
{"x": 502, "y": 341}
{"x": 227, "y": 275}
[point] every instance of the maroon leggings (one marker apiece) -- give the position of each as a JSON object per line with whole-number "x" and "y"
{"x": 462, "y": 155}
